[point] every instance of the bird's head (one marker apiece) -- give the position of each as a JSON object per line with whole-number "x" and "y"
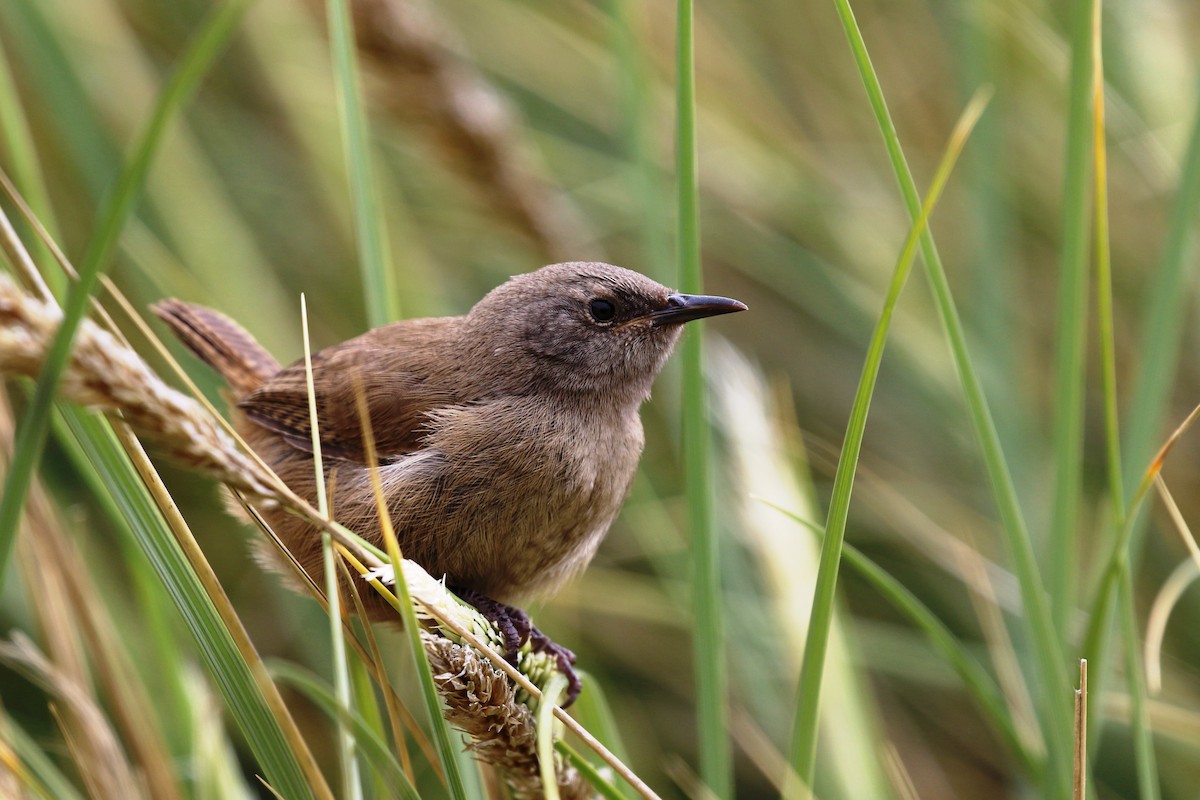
{"x": 584, "y": 327}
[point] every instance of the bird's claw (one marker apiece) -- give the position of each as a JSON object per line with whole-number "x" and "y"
{"x": 517, "y": 629}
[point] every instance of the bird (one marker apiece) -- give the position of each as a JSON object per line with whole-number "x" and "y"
{"x": 507, "y": 438}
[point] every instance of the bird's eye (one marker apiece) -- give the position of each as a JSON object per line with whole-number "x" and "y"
{"x": 602, "y": 310}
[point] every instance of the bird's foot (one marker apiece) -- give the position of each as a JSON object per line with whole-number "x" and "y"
{"x": 512, "y": 623}
{"x": 517, "y": 629}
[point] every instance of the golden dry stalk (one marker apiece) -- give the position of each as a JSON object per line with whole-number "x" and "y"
{"x": 104, "y": 373}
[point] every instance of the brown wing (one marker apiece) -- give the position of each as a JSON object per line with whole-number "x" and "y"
{"x": 403, "y": 371}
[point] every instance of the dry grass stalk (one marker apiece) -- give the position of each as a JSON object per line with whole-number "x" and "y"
{"x": 1081, "y": 712}
{"x": 91, "y": 739}
{"x": 481, "y": 701}
{"x": 1169, "y": 595}
{"x": 422, "y": 82}
{"x": 104, "y": 373}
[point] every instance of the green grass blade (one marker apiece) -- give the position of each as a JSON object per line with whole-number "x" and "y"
{"x": 1104, "y": 290}
{"x": 1143, "y": 741}
{"x": 804, "y": 731}
{"x": 215, "y": 645}
{"x": 31, "y": 435}
{"x": 545, "y": 733}
{"x": 366, "y": 738}
{"x": 1135, "y": 680}
{"x": 589, "y": 771}
{"x": 1047, "y": 651}
{"x": 156, "y": 618}
{"x": 637, "y": 82}
{"x": 1069, "y": 354}
{"x": 708, "y": 642}
{"x": 379, "y": 282}
{"x": 973, "y": 674}
{"x": 1159, "y": 355}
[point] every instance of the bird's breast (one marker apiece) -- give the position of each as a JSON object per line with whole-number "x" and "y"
{"x": 520, "y": 491}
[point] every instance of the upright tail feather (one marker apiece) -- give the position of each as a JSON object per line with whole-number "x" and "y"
{"x": 221, "y": 343}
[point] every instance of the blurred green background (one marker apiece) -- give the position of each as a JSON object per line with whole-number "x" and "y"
{"x": 511, "y": 134}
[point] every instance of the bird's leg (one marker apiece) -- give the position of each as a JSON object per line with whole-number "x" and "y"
{"x": 516, "y": 628}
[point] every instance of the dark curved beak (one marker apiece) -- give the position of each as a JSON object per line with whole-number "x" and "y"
{"x": 683, "y": 308}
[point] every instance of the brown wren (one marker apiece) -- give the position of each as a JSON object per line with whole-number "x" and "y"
{"x": 507, "y": 438}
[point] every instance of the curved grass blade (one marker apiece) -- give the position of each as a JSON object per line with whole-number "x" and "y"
{"x": 545, "y": 733}
{"x": 973, "y": 674}
{"x": 1047, "y": 650}
{"x": 379, "y": 289}
{"x": 373, "y": 747}
{"x": 804, "y": 731}
{"x": 276, "y": 751}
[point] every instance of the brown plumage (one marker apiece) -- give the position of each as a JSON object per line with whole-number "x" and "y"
{"x": 507, "y": 437}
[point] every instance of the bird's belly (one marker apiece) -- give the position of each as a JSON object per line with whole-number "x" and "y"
{"x": 511, "y": 524}
{"x": 512, "y": 547}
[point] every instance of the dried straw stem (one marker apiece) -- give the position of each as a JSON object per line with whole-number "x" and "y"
{"x": 104, "y": 373}
{"x": 425, "y": 85}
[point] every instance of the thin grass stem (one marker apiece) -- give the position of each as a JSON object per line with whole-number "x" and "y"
{"x": 379, "y": 281}
{"x": 1069, "y": 353}
{"x": 441, "y": 730}
{"x": 708, "y": 643}
{"x": 351, "y": 779}
{"x": 1079, "y": 782}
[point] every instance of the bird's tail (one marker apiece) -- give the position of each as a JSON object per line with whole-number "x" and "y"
{"x": 221, "y": 343}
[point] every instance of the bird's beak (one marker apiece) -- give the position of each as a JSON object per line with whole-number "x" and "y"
{"x": 682, "y": 308}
